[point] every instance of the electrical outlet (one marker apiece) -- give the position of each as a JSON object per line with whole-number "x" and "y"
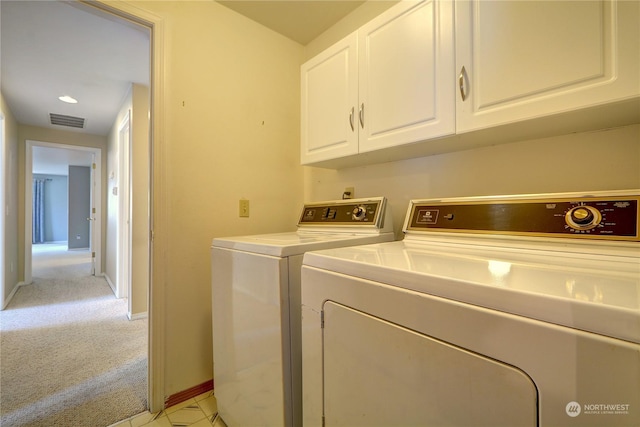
{"x": 349, "y": 193}
{"x": 243, "y": 208}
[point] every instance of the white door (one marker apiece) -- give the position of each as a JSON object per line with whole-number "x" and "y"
{"x": 92, "y": 216}
{"x": 329, "y": 92}
{"x": 524, "y": 59}
{"x": 407, "y": 75}
{"x": 377, "y": 373}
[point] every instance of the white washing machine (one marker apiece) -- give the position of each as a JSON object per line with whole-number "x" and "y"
{"x": 256, "y": 308}
{"x": 509, "y": 311}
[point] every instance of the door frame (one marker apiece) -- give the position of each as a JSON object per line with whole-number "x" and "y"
{"x": 123, "y": 283}
{"x": 158, "y": 210}
{"x": 3, "y": 214}
{"x": 96, "y": 196}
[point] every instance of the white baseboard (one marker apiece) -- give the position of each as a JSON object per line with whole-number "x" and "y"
{"x": 13, "y": 292}
{"x": 111, "y": 285}
{"x": 137, "y": 316}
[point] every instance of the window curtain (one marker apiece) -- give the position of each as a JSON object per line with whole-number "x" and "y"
{"x": 38, "y": 211}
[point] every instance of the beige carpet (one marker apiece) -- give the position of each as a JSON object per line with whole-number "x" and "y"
{"x": 69, "y": 356}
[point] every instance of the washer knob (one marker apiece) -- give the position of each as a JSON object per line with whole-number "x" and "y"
{"x": 359, "y": 213}
{"x": 583, "y": 217}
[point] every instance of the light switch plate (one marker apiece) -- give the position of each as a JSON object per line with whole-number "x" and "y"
{"x": 243, "y": 208}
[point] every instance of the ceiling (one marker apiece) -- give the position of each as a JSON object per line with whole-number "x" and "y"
{"x": 301, "y": 20}
{"x": 54, "y": 48}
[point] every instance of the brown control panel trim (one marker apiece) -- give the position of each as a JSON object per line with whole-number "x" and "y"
{"x": 354, "y": 213}
{"x": 614, "y": 218}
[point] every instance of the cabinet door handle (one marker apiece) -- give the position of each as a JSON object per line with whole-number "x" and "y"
{"x": 351, "y": 118}
{"x": 362, "y": 115}
{"x": 463, "y": 72}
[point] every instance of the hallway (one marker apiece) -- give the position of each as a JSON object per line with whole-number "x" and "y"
{"x": 69, "y": 355}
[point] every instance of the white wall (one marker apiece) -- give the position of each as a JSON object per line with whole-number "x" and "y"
{"x": 10, "y": 208}
{"x": 113, "y": 181}
{"x": 602, "y": 160}
{"x": 140, "y": 181}
{"x": 231, "y": 120}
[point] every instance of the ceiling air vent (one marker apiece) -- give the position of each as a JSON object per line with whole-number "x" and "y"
{"x": 70, "y": 121}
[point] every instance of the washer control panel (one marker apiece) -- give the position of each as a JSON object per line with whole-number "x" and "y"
{"x": 352, "y": 212}
{"x": 583, "y": 217}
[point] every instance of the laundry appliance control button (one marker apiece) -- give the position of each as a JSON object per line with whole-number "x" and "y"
{"x": 359, "y": 213}
{"x": 583, "y": 217}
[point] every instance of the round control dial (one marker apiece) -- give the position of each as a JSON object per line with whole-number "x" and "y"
{"x": 583, "y": 217}
{"x": 359, "y": 213}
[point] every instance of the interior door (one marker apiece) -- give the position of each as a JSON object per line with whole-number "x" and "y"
{"x": 79, "y": 199}
{"x": 377, "y": 373}
{"x": 92, "y": 217}
{"x": 95, "y": 219}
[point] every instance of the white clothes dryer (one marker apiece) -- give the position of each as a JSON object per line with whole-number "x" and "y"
{"x": 256, "y": 308}
{"x": 507, "y": 311}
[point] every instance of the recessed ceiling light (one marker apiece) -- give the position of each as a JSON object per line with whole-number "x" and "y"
{"x": 68, "y": 99}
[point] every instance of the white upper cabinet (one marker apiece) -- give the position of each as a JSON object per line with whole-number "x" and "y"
{"x": 436, "y": 76}
{"x": 406, "y": 75}
{"x": 389, "y": 83}
{"x": 329, "y": 91}
{"x": 518, "y": 60}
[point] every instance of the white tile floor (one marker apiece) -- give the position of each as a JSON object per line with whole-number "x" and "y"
{"x": 201, "y": 411}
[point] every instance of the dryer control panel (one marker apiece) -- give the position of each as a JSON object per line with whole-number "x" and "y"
{"x": 351, "y": 212}
{"x": 612, "y": 218}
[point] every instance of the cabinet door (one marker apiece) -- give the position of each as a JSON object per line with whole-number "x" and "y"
{"x": 329, "y": 92}
{"x": 524, "y": 59}
{"x": 407, "y": 75}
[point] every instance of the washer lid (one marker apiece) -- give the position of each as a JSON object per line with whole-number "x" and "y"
{"x": 295, "y": 243}
{"x": 595, "y": 293}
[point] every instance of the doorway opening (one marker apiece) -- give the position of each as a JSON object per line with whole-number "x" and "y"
{"x": 93, "y": 222}
{"x": 129, "y": 14}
